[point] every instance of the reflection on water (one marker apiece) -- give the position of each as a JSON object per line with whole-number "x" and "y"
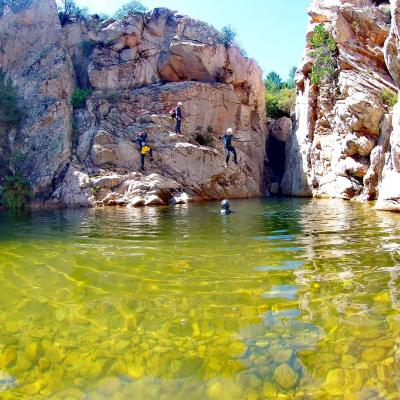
{"x": 288, "y": 299}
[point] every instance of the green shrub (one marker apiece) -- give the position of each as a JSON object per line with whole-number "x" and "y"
{"x": 273, "y": 82}
{"x": 324, "y": 50}
{"x": 133, "y": 7}
{"x": 227, "y": 36}
{"x": 286, "y": 101}
{"x": 16, "y": 192}
{"x": 280, "y": 96}
{"x": 96, "y": 189}
{"x": 10, "y": 111}
{"x": 69, "y": 11}
{"x": 388, "y": 97}
{"x": 271, "y": 105}
{"x": 79, "y": 97}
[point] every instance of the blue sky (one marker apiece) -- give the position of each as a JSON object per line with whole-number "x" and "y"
{"x": 272, "y": 32}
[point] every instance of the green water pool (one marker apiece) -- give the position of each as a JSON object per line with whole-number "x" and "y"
{"x": 285, "y": 299}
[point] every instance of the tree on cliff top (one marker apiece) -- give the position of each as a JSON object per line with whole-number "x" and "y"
{"x": 227, "y": 36}
{"x": 68, "y": 11}
{"x": 133, "y": 7}
{"x": 280, "y": 95}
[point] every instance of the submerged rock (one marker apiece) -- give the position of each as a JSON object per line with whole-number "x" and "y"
{"x": 285, "y": 376}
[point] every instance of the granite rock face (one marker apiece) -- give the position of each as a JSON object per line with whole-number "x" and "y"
{"x": 34, "y": 55}
{"x": 344, "y": 141}
{"x": 139, "y": 68}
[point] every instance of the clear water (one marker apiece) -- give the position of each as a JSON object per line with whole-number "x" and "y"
{"x": 286, "y": 299}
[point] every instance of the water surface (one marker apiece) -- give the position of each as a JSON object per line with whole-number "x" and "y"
{"x": 286, "y": 299}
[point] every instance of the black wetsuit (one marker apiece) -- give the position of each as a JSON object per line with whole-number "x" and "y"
{"x": 178, "y": 120}
{"x": 229, "y": 148}
{"x": 142, "y": 141}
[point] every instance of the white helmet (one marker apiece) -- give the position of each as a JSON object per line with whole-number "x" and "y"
{"x": 179, "y": 103}
{"x": 229, "y": 130}
{"x": 225, "y": 205}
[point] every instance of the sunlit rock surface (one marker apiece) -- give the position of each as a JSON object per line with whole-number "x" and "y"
{"x": 139, "y": 68}
{"x": 344, "y": 142}
{"x": 35, "y": 56}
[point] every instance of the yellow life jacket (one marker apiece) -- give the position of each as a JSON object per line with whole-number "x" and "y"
{"x": 145, "y": 149}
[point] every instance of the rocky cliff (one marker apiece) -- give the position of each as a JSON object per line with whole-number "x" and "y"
{"x": 138, "y": 68}
{"x": 345, "y": 140}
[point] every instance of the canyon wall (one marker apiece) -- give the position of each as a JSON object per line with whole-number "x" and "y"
{"x": 34, "y": 55}
{"x": 345, "y": 140}
{"x": 137, "y": 68}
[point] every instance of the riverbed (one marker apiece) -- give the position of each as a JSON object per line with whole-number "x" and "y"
{"x": 285, "y": 298}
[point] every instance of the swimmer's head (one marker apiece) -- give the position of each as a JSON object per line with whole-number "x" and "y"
{"x": 225, "y": 205}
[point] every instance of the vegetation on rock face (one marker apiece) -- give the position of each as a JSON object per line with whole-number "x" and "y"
{"x": 227, "y": 36}
{"x": 10, "y": 111}
{"x": 4, "y": 3}
{"x": 16, "y": 192}
{"x": 280, "y": 95}
{"x": 388, "y": 97}
{"x": 79, "y": 97}
{"x": 324, "y": 49}
{"x": 133, "y": 7}
{"x": 69, "y": 11}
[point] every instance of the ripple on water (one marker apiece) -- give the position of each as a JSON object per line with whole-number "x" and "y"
{"x": 288, "y": 266}
{"x": 281, "y": 291}
{"x": 166, "y": 303}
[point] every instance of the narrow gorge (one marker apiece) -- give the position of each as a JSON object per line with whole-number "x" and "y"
{"x": 341, "y": 142}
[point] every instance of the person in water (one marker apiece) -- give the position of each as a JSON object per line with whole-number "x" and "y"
{"x": 228, "y": 138}
{"x": 225, "y": 207}
{"x": 143, "y": 148}
{"x": 178, "y": 117}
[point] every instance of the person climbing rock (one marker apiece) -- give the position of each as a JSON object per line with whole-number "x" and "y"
{"x": 225, "y": 207}
{"x": 143, "y": 148}
{"x": 178, "y": 117}
{"x": 228, "y": 138}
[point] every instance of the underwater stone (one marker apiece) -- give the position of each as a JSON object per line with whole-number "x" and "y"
{"x": 44, "y": 364}
{"x": 334, "y": 383}
{"x": 8, "y": 357}
{"x": 282, "y": 356}
{"x": 32, "y": 351}
{"x": 373, "y": 354}
{"x": 270, "y": 391}
{"x": 285, "y": 376}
